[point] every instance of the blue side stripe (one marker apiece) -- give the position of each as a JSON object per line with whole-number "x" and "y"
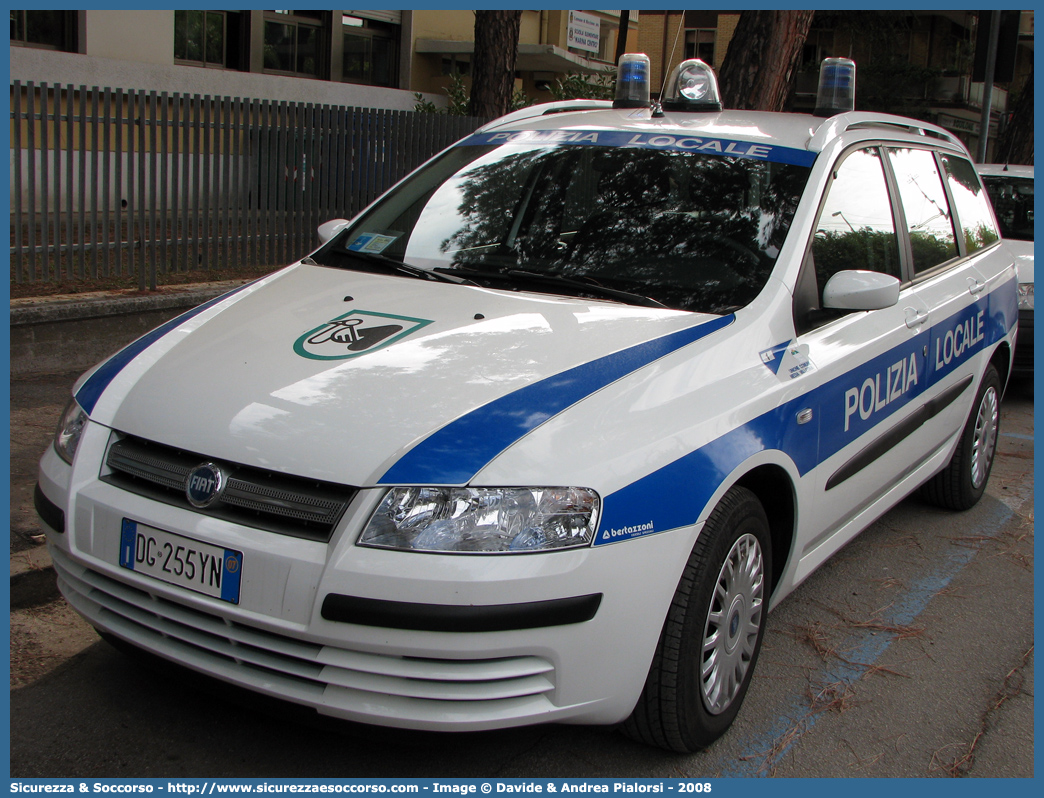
{"x": 92, "y": 389}
{"x": 675, "y": 495}
{"x": 456, "y": 453}
{"x": 703, "y": 144}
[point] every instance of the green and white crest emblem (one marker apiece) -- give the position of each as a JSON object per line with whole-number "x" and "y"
{"x": 355, "y": 333}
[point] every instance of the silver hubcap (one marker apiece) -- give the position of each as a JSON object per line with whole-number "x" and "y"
{"x": 984, "y": 443}
{"x": 733, "y": 621}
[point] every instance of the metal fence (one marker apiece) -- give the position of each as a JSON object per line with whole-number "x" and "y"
{"x": 108, "y": 182}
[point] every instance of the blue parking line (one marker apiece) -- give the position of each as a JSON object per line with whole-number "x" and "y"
{"x": 1017, "y": 436}
{"x": 758, "y": 755}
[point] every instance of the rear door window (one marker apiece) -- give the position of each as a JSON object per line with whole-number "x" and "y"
{"x": 928, "y": 219}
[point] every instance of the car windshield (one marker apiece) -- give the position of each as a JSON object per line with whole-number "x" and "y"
{"x": 1012, "y": 199}
{"x": 664, "y": 227}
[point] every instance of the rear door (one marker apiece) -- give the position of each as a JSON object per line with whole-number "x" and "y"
{"x": 958, "y": 264}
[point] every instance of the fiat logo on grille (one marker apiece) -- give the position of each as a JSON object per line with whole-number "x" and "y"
{"x": 205, "y": 484}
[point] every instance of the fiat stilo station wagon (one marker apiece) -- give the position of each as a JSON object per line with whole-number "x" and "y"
{"x": 544, "y": 433}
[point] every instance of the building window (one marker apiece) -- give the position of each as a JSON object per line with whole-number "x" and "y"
{"x": 607, "y": 40}
{"x": 699, "y": 44}
{"x": 200, "y": 37}
{"x": 455, "y": 65}
{"x": 50, "y": 30}
{"x": 819, "y": 44}
{"x": 371, "y": 51}
{"x": 294, "y": 42}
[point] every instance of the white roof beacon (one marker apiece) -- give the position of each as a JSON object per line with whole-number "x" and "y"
{"x": 837, "y": 77}
{"x": 692, "y": 86}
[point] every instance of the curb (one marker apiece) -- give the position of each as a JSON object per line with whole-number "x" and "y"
{"x": 102, "y": 304}
{"x": 72, "y": 332}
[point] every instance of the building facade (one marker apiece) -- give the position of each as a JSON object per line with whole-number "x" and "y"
{"x": 377, "y": 59}
{"x": 917, "y": 63}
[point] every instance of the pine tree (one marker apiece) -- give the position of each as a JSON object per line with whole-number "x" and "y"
{"x": 493, "y": 63}
{"x": 761, "y": 59}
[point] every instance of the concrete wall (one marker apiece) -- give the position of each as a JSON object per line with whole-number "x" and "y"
{"x": 152, "y": 41}
{"x": 47, "y": 66}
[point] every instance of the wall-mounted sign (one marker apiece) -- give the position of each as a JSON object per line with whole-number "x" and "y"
{"x": 584, "y": 31}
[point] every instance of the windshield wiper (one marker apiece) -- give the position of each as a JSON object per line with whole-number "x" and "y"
{"x": 592, "y": 287}
{"x": 580, "y": 287}
{"x": 391, "y": 265}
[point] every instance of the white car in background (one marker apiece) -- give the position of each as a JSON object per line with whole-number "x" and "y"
{"x": 1010, "y": 187}
{"x": 544, "y": 433}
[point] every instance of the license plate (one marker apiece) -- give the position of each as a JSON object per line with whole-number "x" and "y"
{"x": 181, "y": 561}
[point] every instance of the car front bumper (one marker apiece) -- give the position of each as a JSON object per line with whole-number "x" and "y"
{"x": 297, "y": 633}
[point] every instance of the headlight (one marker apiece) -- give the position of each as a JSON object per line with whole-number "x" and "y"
{"x": 70, "y": 428}
{"x": 1025, "y": 296}
{"x": 487, "y": 520}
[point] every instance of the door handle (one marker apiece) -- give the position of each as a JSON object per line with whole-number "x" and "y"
{"x": 915, "y": 317}
{"x": 975, "y": 285}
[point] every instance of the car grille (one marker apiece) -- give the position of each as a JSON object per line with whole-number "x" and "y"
{"x": 333, "y": 679}
{"x": 253, "y": 497}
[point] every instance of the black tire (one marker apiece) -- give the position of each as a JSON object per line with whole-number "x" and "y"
{"x": 678, "y": 710}
{"x": 962, "y": 482}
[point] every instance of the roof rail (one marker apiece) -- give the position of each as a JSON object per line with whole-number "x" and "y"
{"x": 863, "y": 120}
{"x": 544, "y": 109}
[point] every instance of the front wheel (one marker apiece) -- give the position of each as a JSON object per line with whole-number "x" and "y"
{"x": 710, "y": 641}
{"x": 962, "y": 482}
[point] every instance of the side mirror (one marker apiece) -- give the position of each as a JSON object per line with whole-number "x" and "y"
{"x": 328, "y": 230}
{"x": 860, "y": 290}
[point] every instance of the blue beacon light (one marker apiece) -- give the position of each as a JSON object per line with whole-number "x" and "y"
{"x": 632, "y": 81}
{"x": 836, "y": 95}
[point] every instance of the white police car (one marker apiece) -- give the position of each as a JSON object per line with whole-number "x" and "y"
{"x": 544, "y": 433}
{"x": 1010, "y": 189}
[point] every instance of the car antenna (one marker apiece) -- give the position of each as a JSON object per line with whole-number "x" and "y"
{"x": 657, "y": 107}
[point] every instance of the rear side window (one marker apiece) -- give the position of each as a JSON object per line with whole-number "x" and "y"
{"x": 971, "y": 203}
{"x": 928, "y": 218}
{"x": 856, "y": 229}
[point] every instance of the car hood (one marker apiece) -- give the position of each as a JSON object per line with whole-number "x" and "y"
{"x": 337, "y": 375}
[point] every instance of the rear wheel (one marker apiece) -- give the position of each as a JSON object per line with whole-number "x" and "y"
{"x": 962, "y": 482}
{"x": 710, "y": 641}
